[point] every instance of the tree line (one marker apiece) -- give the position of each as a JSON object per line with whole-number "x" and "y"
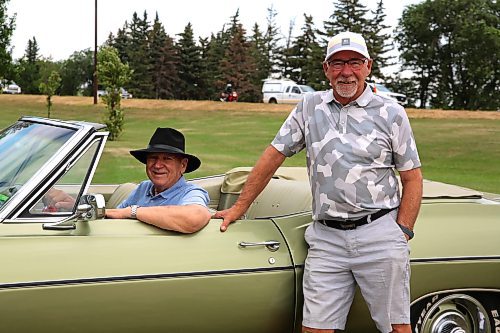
{"x": 450, "y": 46}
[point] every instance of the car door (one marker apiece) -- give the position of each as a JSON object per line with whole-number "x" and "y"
{"x": 295, "y": 95}
{"x": 124, "y": 275}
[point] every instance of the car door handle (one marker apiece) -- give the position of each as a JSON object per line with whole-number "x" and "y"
{"x": 271, "y": 245}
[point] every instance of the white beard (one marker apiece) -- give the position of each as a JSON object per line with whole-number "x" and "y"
{"x": 346, "y": 90}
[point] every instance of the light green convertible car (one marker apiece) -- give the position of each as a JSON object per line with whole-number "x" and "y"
{"x": 73, "y": 271}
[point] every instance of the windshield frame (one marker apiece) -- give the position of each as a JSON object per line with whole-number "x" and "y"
{"x": 61, "y": 157}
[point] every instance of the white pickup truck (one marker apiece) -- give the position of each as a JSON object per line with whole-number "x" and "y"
{"x": 283, "y": 91}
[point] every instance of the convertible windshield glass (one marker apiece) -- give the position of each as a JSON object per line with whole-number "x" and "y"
{"x": 24, "y": 149}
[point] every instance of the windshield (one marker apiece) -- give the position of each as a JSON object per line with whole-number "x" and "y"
{"x": 307, "y": 88}
{"x": 24, "y": 148}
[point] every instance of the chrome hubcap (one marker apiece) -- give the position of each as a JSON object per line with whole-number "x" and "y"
{"x": 457, "y": 313}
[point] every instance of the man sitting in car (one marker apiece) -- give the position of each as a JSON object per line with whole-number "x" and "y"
{"x": 166, "y": 200}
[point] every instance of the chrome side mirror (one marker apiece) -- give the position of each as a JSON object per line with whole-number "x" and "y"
{"x": 90, "y": 207}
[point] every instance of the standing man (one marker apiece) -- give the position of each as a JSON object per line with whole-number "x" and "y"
{"x": 166, "y": 200}
{"x": 354, "y": 142}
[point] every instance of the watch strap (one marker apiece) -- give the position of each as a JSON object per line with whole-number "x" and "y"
{"x": 133, "y": 211}
{"x": 407, "y": 231}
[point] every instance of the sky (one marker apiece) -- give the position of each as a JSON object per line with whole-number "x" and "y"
{"x": 62, "y": 27}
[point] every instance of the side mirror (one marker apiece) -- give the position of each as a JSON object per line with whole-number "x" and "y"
{"x": 90, "y": 207}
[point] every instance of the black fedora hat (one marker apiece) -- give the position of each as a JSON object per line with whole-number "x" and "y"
{"x": 167, "y": 140}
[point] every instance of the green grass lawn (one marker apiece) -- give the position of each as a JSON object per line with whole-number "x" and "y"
{"x": 459, "y": 151}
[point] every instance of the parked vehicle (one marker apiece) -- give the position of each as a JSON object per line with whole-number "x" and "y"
{"x": 73, "y": 271}
{"x": 283, "y": 91}
{"x": 123, "y": 93}
{"x": 11, "y": 89}
{"x": 382, "y": 90}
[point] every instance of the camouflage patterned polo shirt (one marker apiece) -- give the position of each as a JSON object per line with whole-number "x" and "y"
{"x": 351, "y": 152}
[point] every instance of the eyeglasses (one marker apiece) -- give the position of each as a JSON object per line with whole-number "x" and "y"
{"x": 354, "y": 63}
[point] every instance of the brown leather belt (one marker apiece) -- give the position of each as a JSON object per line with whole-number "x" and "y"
{"x": 353, "y": 224}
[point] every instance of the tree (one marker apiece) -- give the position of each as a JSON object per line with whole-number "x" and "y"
{"x": 77, "y": 73}
{"x": 29, "y": 69}
{"x": 445, "y": 43}
{"x": 349, "y": 15}
{"x": 378, "y": 41}
{"x": 113, "y": 74}
{"x": 7, "y": 26}
{"x": 163, "y": 54}
{"x": 189, "y": 64}
{"x": 141, "y": 84}
{"x": 272, "y": 38}
{"x": 49, "y": 88}
{"x": 238, "y": 67}
{"x": 257, "y": 53}
{"x": 306, "y": 56}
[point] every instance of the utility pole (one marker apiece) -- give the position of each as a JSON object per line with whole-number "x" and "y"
{"x": 95, "y": 56}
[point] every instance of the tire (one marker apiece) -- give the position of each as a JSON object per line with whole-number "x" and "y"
{"x": 273, "y": 101}
{"x": 474, "y": 312}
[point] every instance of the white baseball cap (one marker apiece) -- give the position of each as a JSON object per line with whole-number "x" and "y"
{"x": 347, "y": 41}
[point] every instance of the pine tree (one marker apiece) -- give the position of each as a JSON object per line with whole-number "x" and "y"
{"x": 257, "y": 49}
{"x": 189, "y": 64}
{"x": 378, "y": 41}
{"x": 29, "y": 69}
{"x": 162, "y": 52}
{"x": 349, "y": 15}
{"x": 141, "y": 84}
{"x": 306, "y": 56}
{"x": 238, "y": 67}
{"x": 212, "y": 54}
{"x": 272, "y": 39}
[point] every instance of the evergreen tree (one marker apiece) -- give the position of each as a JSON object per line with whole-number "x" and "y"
{"x": 349, "y": 15}
{"x": 137, "y": 57}
{"x": 7, "y": 26}
{"x": 208, "y": 78}
{"x": 272, "y": 39}
{"x": 378, "y": 42}
{"x": 287, "y": 56}
{"x": 189, "y": 64}
{"x": 29, "y": 69}
{"x": 163, "y": 54}
{"x": 121, "y": 42}
{"x": 238, "y": 67}
{"x": 257, "y": 47}
{"x": 306, "y": 57}
{"x": 212, "y": 54}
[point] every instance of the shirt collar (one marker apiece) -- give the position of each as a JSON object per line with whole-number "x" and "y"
{"x": 361, "y": 101}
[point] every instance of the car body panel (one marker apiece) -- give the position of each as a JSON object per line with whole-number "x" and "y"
{"x": 103, "y": 259}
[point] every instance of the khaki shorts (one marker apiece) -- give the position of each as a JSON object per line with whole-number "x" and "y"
{"x": 374, "y": 256}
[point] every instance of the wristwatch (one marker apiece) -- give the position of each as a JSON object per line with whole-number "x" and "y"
{"x": 133, "y": 211}
{"x": 407, "y": 231}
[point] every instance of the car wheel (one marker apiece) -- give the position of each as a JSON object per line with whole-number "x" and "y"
{"x": 452, "y": 313}
{"x": 273, "y": 101}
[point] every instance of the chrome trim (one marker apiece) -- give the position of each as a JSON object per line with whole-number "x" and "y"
{"x": 271, "y": 245}
{"x": 64, "y": 152}
{"x": 96, "y": 138}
